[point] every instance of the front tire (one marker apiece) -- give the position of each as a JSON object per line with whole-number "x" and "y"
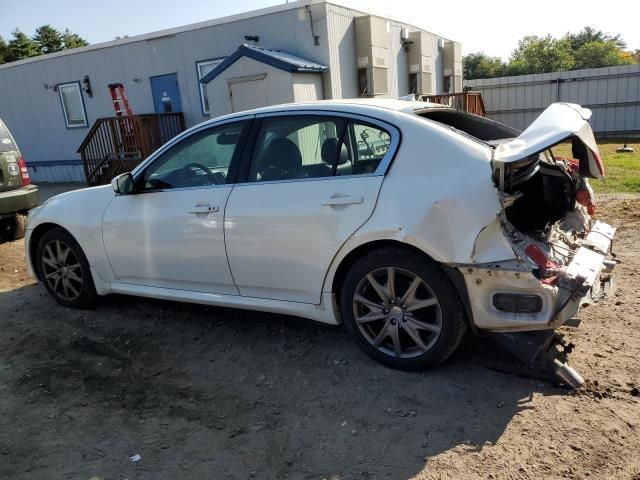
{"x": 401, "y": 309}
{"x": 64, "y": 270}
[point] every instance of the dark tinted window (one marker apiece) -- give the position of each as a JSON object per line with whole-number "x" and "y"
{"x": 479, "y": 127}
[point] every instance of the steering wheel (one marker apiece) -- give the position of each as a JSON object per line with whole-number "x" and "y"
{"x": 193, "y": 178}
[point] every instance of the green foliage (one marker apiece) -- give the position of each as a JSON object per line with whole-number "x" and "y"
{"x": 480, "y": 65}
{"x": 48, "y": 39}
{"x": 4, "y": 50}
{"x": 622, "y": 170}
{"x": 590, "y": 34}
{"x": 598, "y": 54}
{"x": 21, "y": 46}
{"x": 541, "y": 55}
{"x": 589, "y": 48}
{"x": 73, "y": 40}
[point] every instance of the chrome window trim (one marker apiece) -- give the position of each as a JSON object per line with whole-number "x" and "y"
{"x": 380, "y": 170}
{"x": 180, "y": 189}
{"x": 308, "y": 179}
{"x": 187, "y": 133}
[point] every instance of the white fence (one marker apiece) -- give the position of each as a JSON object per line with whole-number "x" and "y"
{"x": 612, "y": 93}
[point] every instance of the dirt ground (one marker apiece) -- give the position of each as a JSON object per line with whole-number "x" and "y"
{"x": 211, "y": 393}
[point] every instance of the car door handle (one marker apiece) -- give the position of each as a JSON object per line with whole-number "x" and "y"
{"x": 204, "y": 208}
{"x": 342, "y": 200}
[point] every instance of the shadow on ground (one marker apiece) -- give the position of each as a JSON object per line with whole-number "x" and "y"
{"x": 202, "y": 392}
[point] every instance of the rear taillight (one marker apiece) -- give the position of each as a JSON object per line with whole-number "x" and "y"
{"x": 24, "y": 173}
{"x": 599, "y": 162}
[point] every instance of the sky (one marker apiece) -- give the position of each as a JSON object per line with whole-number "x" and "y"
{"x": 491, "y": 26}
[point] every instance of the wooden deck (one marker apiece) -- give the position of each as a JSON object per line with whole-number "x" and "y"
{"x": 118, "y": 144}
{"x": 467, "y": 101}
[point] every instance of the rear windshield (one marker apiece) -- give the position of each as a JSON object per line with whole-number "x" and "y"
{"x": 478, "y": 127}
{"x": 6, "y": 141}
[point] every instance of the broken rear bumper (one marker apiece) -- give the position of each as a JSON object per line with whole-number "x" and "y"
{"x": 587, "y": 278}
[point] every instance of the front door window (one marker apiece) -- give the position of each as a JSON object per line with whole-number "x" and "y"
{"x": 199, "y": 160}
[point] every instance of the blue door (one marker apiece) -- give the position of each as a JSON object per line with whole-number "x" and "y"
{"x": 165, "y": 92}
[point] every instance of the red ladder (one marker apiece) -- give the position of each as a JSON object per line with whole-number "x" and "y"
{"x": 120, "y": 102}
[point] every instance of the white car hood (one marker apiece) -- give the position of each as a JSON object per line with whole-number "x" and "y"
{"x": 558, "y": 122}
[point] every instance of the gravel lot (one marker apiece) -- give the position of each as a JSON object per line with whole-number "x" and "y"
{"x": 202, "y": 392}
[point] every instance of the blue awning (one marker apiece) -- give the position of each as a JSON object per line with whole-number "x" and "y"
{"x": 276, "y": 58}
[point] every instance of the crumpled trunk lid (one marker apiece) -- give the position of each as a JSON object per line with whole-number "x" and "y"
{"x": 559, "y": 122}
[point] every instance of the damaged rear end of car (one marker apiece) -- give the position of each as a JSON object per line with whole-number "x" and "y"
{"x": 563, "y": 256}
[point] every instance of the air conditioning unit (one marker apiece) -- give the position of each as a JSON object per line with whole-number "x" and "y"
{"x": 420, "y": 59}
{"x": 372, "y": 52}
{"x": 452, "y": 66}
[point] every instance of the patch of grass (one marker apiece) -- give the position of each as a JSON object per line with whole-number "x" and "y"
{"x": 622, "y": 170}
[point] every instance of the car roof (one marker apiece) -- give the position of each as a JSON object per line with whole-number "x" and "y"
{"x": 363, "y": 106}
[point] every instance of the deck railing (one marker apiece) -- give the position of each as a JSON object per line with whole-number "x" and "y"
{"x": 467, "y": 101}
{"x": 118, "y": 144}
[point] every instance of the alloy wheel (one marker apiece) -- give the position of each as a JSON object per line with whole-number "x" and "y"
{"x": 62, "y": 270}
{"x": 397, "y": 312}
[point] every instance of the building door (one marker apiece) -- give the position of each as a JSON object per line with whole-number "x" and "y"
{"x": 248, "y": 92}
{"x": 165, "y": 93}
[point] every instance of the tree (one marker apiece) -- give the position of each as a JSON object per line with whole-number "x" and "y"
{"x": 4, "y": 50}
{"x": 21, "y": 46}
{"x": 48, "y": 39}
{"x": 481, "y": 65}
{"x": 596, "y": 54}
{"x": 541, "y": 55}
{"x": 73, "y": 40}
{"x": 590, "y": 34}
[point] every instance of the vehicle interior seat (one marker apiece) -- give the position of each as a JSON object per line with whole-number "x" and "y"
{"x": 281, "y": 161}
{"x": 328, "y": 154}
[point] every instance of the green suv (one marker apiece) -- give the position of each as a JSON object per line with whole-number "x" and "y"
{"x": 17, "y": 195}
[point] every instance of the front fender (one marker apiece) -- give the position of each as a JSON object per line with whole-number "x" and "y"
{"x": 79, "y": 212}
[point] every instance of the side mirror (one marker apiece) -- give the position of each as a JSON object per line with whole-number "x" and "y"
{"x": 123, "y": 184}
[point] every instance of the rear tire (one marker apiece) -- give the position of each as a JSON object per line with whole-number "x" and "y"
{"x": 64, "y": 270}
{"x": 401, "y": 309}
{"x": 12, "y": 229}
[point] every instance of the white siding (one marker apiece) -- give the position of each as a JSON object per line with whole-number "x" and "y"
{"x": 307, "y": 87}
{"x": 34, "y": 115}
{"x": 279, "y": 84}
{"x": 342, "y": 76}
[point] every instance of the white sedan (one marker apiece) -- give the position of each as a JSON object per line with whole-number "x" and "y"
{"x": 408, "y": 222}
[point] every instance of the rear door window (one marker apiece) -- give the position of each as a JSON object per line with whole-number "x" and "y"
{"x": 296, "y": 147}
{"x": 366, "y": 145}
{"x": 6, "y": 140}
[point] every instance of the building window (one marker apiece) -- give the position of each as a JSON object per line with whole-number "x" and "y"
{"x": 203, "y": 68}
{"x": 72, "y": 105}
